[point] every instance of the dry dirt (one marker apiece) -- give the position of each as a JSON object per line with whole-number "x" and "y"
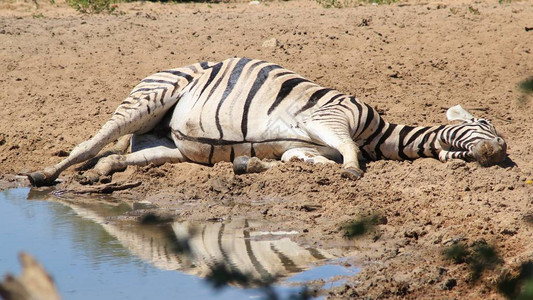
{"x": 63, "y": 74}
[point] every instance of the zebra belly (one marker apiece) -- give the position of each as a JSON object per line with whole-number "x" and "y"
{"x": 210, "y": 151}
{"x": 200, "y": 141}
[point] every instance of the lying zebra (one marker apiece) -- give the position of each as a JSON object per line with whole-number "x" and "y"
{"x": 242, "y": 110}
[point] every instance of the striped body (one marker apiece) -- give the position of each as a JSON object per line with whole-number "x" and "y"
{"x": 211, "y": 112}
{"x": 261, "y": 109}
{"x": 246, "y": 107}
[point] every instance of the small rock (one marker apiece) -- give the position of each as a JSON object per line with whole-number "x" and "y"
{"x": 449, "y": 284}
{"x": 456, "y": 164}
{"x": 310, "y": 207}
{"x": 382, "y": 220}
{"x": 402, "y": 289}
{"x": 411, "y": 234}
{"x": 143, "y": 205}
{"x": 499, "y": 187}
{"x": 508, "y": 231}
{"x": 61, "y": 153}
{"x": 219, "y": 186}
{"x": 271, "y": 43}
{"x": 324, "y": 181}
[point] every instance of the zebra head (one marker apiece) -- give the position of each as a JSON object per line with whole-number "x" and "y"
{"x": 474, "y": 139}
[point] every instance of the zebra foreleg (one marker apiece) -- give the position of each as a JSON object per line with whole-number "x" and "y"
{"x": 120, "y": 147}
{"x": 158, "y": 155}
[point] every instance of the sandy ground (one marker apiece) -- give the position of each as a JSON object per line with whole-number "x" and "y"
{"x": 64, "y": 73}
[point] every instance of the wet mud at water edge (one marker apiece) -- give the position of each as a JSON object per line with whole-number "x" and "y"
{"x": 94, "y": 248}
{"x": 64, "y": 73}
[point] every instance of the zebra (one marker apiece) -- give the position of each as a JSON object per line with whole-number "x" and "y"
{"x": 255, "y": 113}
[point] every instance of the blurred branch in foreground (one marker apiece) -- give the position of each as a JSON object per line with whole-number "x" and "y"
{"x": 34, "y": 283}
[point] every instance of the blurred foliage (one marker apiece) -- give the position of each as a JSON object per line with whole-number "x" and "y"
{"x": 362, "y": 225}
{"x": 93, "y": 6}
{"x": 526, "y": 86}
{"x": 479, "y": 257}
{"x": 473, "y": 10}
{"x": 222, "y": 276}
{"x": 153, "y": 219}
{"x": 517, "y": 286}
{"x": 458, "y": 253}
{"x": 109, "y": 6}
{"x": 350, "y": 3}
{"x": 483, "y": 257}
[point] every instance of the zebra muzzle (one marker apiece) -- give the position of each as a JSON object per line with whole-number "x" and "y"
{"x": 490, "y": 152}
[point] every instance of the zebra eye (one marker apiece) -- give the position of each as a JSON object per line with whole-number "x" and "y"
{"x": 484, "y": 122}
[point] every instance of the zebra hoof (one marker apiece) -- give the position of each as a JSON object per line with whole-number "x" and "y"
{"x": 352, "y": 174}
{"x": 39, "y": 179}
{"x": 240, "y": 164}
{"x": 88, "y": 178}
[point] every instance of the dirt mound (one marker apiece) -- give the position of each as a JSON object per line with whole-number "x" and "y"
{"x": 64, "y": 74}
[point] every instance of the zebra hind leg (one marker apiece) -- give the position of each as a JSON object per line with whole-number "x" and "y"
{"x": 338, "y": 138}
{"x": 139, "y": 113}
{"x": 80, "y": 153}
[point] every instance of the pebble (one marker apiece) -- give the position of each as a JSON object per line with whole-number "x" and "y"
{"x": 271, "y": 43}
{"x": 449, "y": 284}
{"x": 143, "y": 205}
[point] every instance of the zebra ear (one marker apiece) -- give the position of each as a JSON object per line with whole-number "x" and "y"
{"x": 458, "y": 113}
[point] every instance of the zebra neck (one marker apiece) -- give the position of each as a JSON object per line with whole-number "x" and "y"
{"x": 403, "y": 142}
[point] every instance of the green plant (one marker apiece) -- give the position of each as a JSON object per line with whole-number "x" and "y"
{"x": 526, "y": 89}
{"x": 472, "y": 10}
{"x": 517, "y": 286}
{"x": 93, "y": 6}
{"x": 479, "y": 257}
{"x": 331, "y": 3}
{"x": 350, "y": 3}
{"x": 527, "y": 86}
{"x": 362, "y": 225}
{"x": 458, "y": 253}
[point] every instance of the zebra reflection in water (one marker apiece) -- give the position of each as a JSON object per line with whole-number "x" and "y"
{"x": 260, "y": 255}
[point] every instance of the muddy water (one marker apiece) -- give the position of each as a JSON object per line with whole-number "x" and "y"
{"x": 92, "y": 253}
